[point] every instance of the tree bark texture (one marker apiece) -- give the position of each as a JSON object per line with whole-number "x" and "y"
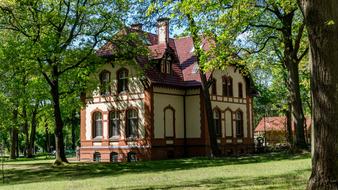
{"x": 32, "y": 134}
{"x": 60, "y": 156}
{"x": 291, "y": 62}
{"x": 321, "y": 18}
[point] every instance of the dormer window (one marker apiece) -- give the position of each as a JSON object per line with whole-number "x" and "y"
{"x": 105, "y": 83}
{"x": 122, "y": 80}
{"x": 166, "y": 65}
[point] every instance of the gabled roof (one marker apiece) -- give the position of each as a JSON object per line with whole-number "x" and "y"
{"x": 277, "y": 123}
{"x": 183, "y": 67}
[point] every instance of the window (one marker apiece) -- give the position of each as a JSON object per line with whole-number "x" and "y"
{"x": 227, "y": 86}
{"x": 132, "y": 123}
{"x": 97, "y": 157}
{"x": 213, "y": 87}
{"x": 166, "y": 65}
{"x": 122, "y": 80}
{"x": 131, "y": 157}
{"x": 239, "y": 124}
{"x": 114, "y": 124}
{"x": 97, "y": 124}
{"x": 217, "y": 122}
{"x": 114, "y": 157}
{"x": 105, "y": 83}
{"x": 240, "y": 90}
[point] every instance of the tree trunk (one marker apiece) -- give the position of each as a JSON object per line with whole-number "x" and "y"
{"x": 73, "y": 125}
{"x": 14, "y": 136}
{"x": 291, "y": 62}
{"x": 59, "y": 143}
{"x": 47, "y": 138}
{"x": 205, "y": 88}
{"x": 33, "y": 132}
{"x": 322, "y": 23}
{"x": 14, "y": 143}
{"x": 209, "y": 113}
{"x": 297, "y": 107}
{"x": 289, "y": 126}
{"x": 25, "y": 129}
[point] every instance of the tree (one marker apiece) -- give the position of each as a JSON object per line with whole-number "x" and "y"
{"x": 279, "y": 26}
{"x": 321, "y": 20}
{"x": 62, "y": 36}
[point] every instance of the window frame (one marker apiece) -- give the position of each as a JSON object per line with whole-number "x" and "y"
{"x": 111, "y": 120}
{"x": 214, "y": 87}
{"x": 218, "y": 125}
{"x": 239, "y": 124}
{"x": 112, "y": 155}
{"x": 105, "y": 88}
{"x": 240, "y": 90}
{"x": 227, "y": 86}
{"x": 128, "y": 130}
{"x": 94, "y": 125}
{"x": 122, "y": 82}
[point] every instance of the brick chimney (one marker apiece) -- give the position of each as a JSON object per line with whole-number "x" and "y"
{"x": 137, "y": 26}
{"x": 163, "y": 30}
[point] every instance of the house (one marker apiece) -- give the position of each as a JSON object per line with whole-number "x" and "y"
{"x": 275, "y": 131}
{"x": 160, "y": 114}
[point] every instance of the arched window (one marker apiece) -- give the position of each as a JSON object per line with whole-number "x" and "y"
{"x": 114, "y": 157}
{"x": 122, "y": 80}
{"x": 217, "y": 122}
{"x": 240, "y": 90}
{"x": 239, "y": 124}
{"x": 97, "y": 125}
{"x": 131, "y": 157}
{"x": 105, "y": 83}
{"x": 132, "y": 124}
{"x": 114, "y": 124}
{"x": 227, "y": 86}
{"x": 214, "y": 87}
{"x": 97, "y": 157}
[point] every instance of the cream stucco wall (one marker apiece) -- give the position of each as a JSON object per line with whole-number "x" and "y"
{"x": 164, "y": 97}
{"x": 134, "y": 84}
{"x": 237, "y": 77}
{"x": 193, "y": 114}
{"x": 134, "y": 98}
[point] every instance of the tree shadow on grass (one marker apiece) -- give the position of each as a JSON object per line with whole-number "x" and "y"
{"x": 37, "y": 172}
{"x": 294, "y": 180}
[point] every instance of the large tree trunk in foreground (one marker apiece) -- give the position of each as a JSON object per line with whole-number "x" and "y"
{"x": 322, "y": 23}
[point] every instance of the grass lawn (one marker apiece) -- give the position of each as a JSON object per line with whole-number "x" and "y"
{"x": 267, "y": 171}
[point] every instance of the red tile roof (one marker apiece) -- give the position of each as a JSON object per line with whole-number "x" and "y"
{"x": 276, "y": 124}
{"x": 184, "y": 68}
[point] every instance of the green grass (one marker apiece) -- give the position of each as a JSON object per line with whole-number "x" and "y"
{"x": 268, "y": 171}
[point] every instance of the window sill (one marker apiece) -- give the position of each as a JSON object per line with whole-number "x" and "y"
{"x": 114, "y": 138}
{"x": 131, "y": 138}
{"x": 97, "y": 139}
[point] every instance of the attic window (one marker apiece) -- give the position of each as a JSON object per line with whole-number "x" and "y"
{"x": 166, "y": 65}
{"x": 195, "y": 68}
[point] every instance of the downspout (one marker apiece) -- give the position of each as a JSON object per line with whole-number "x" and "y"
{"x": 185, "y": 124}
